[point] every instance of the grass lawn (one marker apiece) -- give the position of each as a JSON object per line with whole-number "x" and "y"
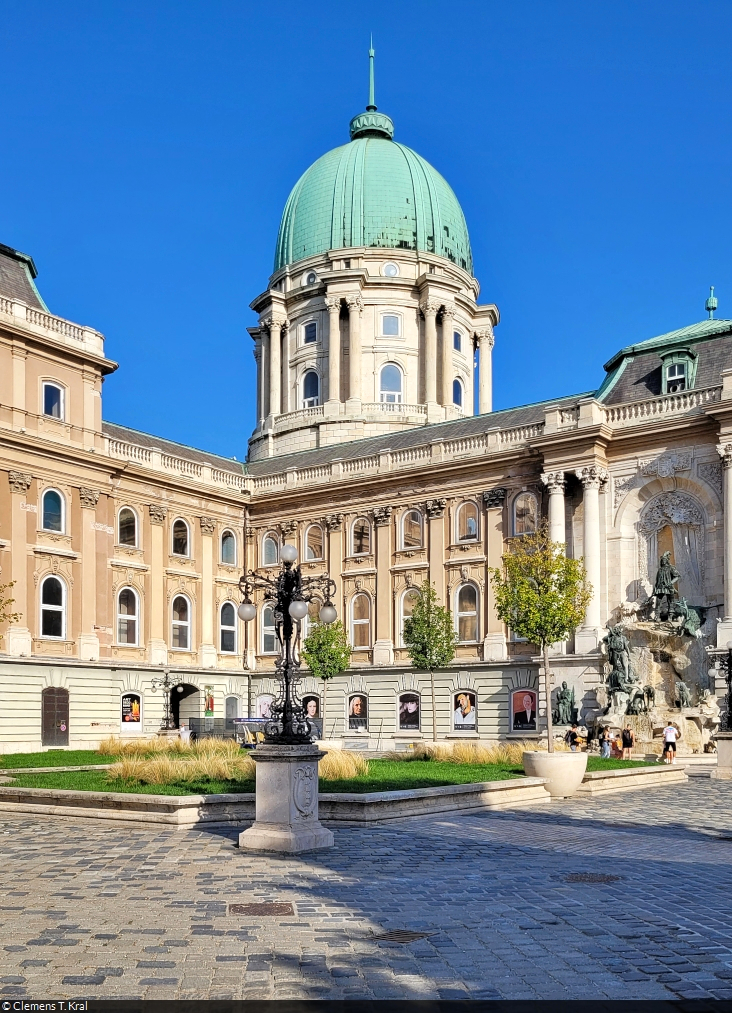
{"x": 54, "y": 758}
{"x": 383, "y": 775}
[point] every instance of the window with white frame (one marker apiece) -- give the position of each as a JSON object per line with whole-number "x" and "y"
{"x": 181, "y": 623}
{"x": 127, "y": 527}
{"x": 457, "y": 393}
{"x": 228, "y": 548}
{"x": 361, "y": 622}
{"x": 269, "y": 635}
{"x": 53, "y": 401}
{"x": 467, "y": 522}
{"x": 466, "y": 613}
{"x": 360, "y": 537}
{"x": 310, "y": 332}
{"x": 314, "y": 542}
{"x": 52, "y": 511}
{"x": 310, "y": 389}
{"x": 675, "y": 377}
{"x": 525, "y": 514}
{"x": 390, "y": 384}
{"x": 227, "y": 628}
{"x": 127, "y": 617}
{"x": 390, "y": 325}
{"x": 412, "y": 530}
{"x": 181, "y": 537}
{"x": 270, "y": 550}
{"x": 457, "y": 341}
{"x": 409, "y": 599}
{"x": 53, "y": 608}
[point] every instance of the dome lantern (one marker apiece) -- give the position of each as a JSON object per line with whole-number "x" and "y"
{"x": 372, "y": 123}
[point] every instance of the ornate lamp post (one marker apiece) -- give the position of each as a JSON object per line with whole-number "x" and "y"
{"x": 167, "y": 685}
{"x": 287, "y": 771}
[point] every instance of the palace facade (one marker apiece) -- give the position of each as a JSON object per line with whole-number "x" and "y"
{"x": 376, "y": 452}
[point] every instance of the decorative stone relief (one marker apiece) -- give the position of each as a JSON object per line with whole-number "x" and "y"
{"x": 725, "y": 452}
{"x": 711, "y": 473}
{"x": 382, "y": 516}
{"x": 208, "y": 525}
{"x": 334, "y": 522}
{"x": 157, "y": 513}
{"x": 19, "y": 481}
{"x": 622, "y": 486}
{"x": 435, "y": 507}
{"x": 667, "y": 465}
{"x": 684, "y": 515}
{"x": 288, "y": 527}
{"x": 494, "y": 498}
{"x": 89, "y": 497}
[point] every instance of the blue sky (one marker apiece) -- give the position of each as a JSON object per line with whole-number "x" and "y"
{"x": 149, "y": 148}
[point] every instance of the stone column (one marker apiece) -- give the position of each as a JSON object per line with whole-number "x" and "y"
{"x": 448, "y": 321}
{"x": 554, "y": 481}
{"x": 724, "y": 628}
{"x": 18, "y": 638}
{"x": 355, "y": 365}
{"x": 19, "y": 355}
{"x": 494, "y": 641}
{"x": 274, "y": 325}
{"x": 258, "y": 363}
{"x": 592, "y": 477}
{"x": 485, "y": 369}
{"x": 333, "y": 305}
{"x": 264, "y": 371}
{"x": 208, "y": 651}
{"x": 383, "y": 642}
{"x": 88, "y": 639}
{"x": 430, "y": 309}
{"x": 157, "y": 648}
{"x": 435, "y": 510}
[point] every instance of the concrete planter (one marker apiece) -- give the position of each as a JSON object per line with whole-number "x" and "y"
{"x": 563, "y": 771}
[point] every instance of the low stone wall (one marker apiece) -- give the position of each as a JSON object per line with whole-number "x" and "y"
{"x": 599, "y": 782}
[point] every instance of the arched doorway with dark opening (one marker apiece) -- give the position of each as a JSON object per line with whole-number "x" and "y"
{"x": 185, "y": 704}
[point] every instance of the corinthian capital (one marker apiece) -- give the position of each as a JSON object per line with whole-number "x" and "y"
{"x": 19, "y": 481}
{"x": 430, "y": 307}
{"x": 448, "y": 313}
{"x": 553, "y": 480}
{"x": 382, "y": 515}
{"x": 485, "y": 336}
{"x": 354, "y": 303}
{"x": 332, "y": 302}
{"x": 592, "y": 476}
{"x": 725, "y": 452}
{"x": 273, "y": 323}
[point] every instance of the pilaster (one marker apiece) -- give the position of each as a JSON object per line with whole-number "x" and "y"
{"x": 157, "y": 645}
{"x": 383, "y": 644}
{"x": 208, "y": 653}
{"x": 18, "y": 639}
{"x": 494, "y": 641}
{"x": 88, "y": 639}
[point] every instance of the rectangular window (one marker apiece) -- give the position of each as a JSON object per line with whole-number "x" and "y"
{"x": 390, "y": 325}
{"x": 676, "y": 378}
{"x": 53, "y": 401}
{"x": 456, "y": 340}
{"x": 310, "y": 332}
{"x": 228, "y": 641}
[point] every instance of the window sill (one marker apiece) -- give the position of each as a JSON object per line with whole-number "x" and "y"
{"x": 462, "y": 735}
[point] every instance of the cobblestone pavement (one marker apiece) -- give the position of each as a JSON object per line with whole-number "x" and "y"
{"x": 623, "y": 897}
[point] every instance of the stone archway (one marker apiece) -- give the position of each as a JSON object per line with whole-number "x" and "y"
{"x": 673, "y": 522}
{"x": 184, "y": 703}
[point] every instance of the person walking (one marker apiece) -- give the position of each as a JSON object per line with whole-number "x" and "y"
{"x": 572, "y": 737}
{"x": 671, "y": 735}
{"x": 605, "y": 743}
{"x": 628, "y": 740}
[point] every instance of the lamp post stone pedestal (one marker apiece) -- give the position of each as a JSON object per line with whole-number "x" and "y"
{"x": 287, "y": 800}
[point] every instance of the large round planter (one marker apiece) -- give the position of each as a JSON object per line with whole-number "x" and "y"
{"x": 563, "y": 771}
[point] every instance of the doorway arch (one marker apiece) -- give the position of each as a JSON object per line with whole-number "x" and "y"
{"x": 185, "y": 703}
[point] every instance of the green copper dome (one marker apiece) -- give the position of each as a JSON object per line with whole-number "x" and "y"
{"x": 372, "y": 192}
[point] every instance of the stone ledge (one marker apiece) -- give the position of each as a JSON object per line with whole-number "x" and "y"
{"x": 599, "y": 782}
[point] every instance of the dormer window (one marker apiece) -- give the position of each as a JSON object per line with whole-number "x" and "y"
{"x": 675, "y": 378}
{"x": 678, "y": 370}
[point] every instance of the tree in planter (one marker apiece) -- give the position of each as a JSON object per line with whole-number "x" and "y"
{"x": 327, "y": 653}
{"x": 430, "y": 637}
{"x": 542, "y": 596}
{"x": 6, "y": 616}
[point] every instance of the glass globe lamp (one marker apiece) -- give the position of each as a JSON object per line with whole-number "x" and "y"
{"x": 288, "y": 553}
{"x": 328, "y": 613}
{"x": 298, "y": 609}
{"x": 247, "y": 611}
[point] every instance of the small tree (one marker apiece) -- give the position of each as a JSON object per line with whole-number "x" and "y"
{"x": 542, "y": 596}
{"x": 6, "y": 616}
{"x": 430, "y": 638}
{"x": 327, "y": 653}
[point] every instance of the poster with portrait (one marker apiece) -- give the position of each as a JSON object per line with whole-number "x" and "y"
{"x": 131, "y": 712}
{"x": 523, "y": 710}
{"x": 464, "y": 712}
{"x": 208, "y": 701}
{"x": 263, "y": 703}
{"x": 311, "y": 706}
{"x": 409, "y": 712}
{"x": 358, "y": 715}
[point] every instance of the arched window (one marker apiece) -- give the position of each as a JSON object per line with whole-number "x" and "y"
{"x": 409, "y": 712}
{"x": 228, "y": 548}
{"x": 52, "y": 511}
{"x": 231, "y": 711}
{"x": 310, "y": 389}
{"x": 466, "y": 613}
{"x": 525, "y": 514}
{"x": 412, "y": 530}
{"x": 314, "y": 542}
{"x": 390, "y": 384}
{"x": 457, "y": 392}
{"x": 180, "y": 538}
{"x": 181, "y": 639}
{"x": 53, "y": 608}
{"x": 269, "y": 636}
{"x": 467, "y": 522}
{"x": 270, "y": 550}
{"x": 127, "y": 616}
{"x": 127, "y": 527}
{"x": 409, "y": 600}
{"x": 53, "y": 400}
{"x": 361, "y": 622}
{"x": 227, "y": 629}
{"x": 360, "y": 537}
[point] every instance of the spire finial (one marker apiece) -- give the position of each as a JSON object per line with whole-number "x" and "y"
{"x": 711, "y": 304}
{"x": 371, "y": 107}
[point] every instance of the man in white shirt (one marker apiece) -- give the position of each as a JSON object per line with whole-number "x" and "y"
{"x": 670, "y": 735}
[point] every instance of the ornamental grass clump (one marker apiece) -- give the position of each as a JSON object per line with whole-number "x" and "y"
{"x": 113, "y": 746}
{"x": 340, "y": 765}
{"x": 162, "y": 769}
{"x": 470, "y": 753}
